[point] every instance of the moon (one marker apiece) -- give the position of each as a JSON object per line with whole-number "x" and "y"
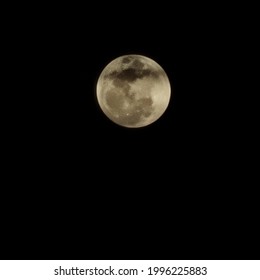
{"x": 133, "y": 91}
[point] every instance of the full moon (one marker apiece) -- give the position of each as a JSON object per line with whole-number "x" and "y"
{"x": 133, "y": 91}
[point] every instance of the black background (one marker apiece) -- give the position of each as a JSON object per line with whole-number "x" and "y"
{"x": 79, "y": 186}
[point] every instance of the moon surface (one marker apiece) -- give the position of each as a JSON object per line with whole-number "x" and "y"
{"x": 133, "y": 91}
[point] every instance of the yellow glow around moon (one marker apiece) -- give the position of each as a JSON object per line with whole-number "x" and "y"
{"x": 133, "y": 91}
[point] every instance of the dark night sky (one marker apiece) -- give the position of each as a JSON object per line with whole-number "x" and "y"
{"x": 168, "y": 190}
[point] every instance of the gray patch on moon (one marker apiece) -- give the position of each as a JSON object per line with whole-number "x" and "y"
{"x": 138, "y": 64}
{"x": 126, "y": 60}
{"x": 115, "y": 101}
{"x": 131, "y": 70}
{"x": 118, "y": 83}
{"x": 132, "y": 74}
{"x": 130, "y": 95}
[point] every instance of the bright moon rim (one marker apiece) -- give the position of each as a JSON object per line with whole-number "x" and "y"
{"x": 133, "y": 91}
